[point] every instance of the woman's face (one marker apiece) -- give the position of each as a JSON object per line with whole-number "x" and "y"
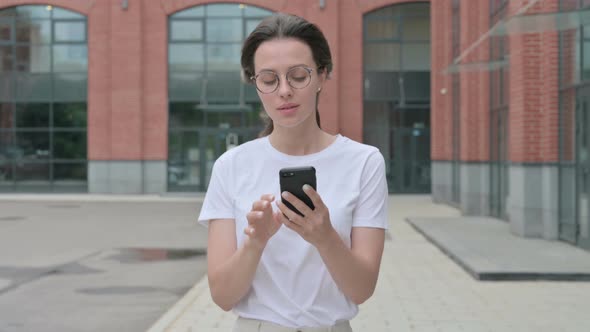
{"x": 288, "y": 106}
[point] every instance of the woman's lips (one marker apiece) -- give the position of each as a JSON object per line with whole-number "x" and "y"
{"x": 288, "y": 109}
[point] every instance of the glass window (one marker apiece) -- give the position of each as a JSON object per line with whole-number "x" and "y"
{"x": 416, "y": 28}
{"x": 381, "y": 29}
{"x": 70, "y": 58}
{"x": 415, "y": 9}
{"x": 416, "y": 57}
{"x": 6, "y": 118}
{"x": 33, "y": 59}
{"x": 69, "y": 171}
{"x": 224, "y": 30}
{"x": 223, "y": 57}
{"x": 33, "y": 87}
{"x": 67, "y": 14}
{"x": 250, "y": 11}
{"x": 33, "y": 32}
{"x": 186, "y": 57}
{"x": 185, "y": 115}
{"x": 70, "y": 31}
{"x": 250, "y": 26}
{"x": 38, "y": 78}
{"x": 6, "y": 59}
{"x": 35, "y": 145}
{"x": 382, "y": 56}
{"x": 32, "y": 115}
{"x": 33, "y": 11}
{"x": 70, "y": 87}
{"x": 69, "y": 115}
{"x": 69, "y": 145}
{"x": 5, "y": 30}
{"x": 186, "y": 30}
{"x": 198, "y": 11}
{"x": 185, "y": 86}
{"x": 225, "y": 10}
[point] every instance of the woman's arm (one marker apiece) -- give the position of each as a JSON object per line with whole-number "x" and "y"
{"x": 231, "y": 270}
{"x": 354, "y": 270}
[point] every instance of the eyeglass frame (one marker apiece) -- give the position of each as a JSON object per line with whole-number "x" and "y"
{"x": 254, "y": 77}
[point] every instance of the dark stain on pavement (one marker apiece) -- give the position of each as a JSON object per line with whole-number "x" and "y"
{"x": 143, "y": 255}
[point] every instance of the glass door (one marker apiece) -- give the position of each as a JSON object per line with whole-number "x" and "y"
{"x": 583, "y": 167}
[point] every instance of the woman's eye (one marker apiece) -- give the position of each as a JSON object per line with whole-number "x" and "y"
{"x": 298, "y": 78}
{"x": 269, "y": 81}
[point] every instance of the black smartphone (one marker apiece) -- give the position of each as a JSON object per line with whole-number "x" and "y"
{"x": 292, "y": 181}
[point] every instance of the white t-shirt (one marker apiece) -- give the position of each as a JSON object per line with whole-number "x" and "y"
{"x": 292, "y": 286}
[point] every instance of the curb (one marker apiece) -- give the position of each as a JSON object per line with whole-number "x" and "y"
{"x": 99, "y": 198}
{"x": 179, "y": 308}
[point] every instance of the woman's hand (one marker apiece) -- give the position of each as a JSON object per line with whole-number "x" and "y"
{"x": 314, "y": 226}
{"x": 263, "y": 223}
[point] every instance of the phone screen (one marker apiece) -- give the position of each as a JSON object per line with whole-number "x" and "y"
{"x": 292, "y": 181}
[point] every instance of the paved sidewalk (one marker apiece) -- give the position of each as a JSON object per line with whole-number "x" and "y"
{"x": 421, "y": 289}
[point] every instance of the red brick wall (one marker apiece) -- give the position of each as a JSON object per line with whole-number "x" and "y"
{"x": 534, "y": 91}
{"x": 441, "y": 93}
{"x": 534, "y": 86}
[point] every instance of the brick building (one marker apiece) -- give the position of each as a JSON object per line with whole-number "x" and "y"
{"x": 483, "y": 102}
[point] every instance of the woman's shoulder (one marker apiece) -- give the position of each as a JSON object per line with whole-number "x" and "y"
{"x": 352, "y": 146}
{"x": 246, "y": 149}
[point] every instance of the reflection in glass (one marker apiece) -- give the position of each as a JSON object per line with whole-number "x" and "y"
{"x": 35, "y": 145}
{"x": 185, "y": 57}
{"x": 223, "y": 57}
{"x": 70, "y": 87}
{"x": 69, "y": 145}
{"x": 69, "y": 171}
{"x": 33, "y": 32}
{"x": 185, "y": 86}
{"x": 382, "y": 56}
{"x": 381, "y": 29}
{"x": 69, "y": 115}
{"x": 33, "y": 59}
{"x": 198, "y": 11}
{"x": 70, "y": 58}
{"x": 186, "y": 30}
{"x": 32, "y": 115}
{"x": 64, "y": 13}
{"x": 5, "y": 31}
{"x": 185, "y": 115}
{"x": 33, "y": 87}
{"x": 70, "y": 31}
{"x": 6, "y": 118}
{"x": 32, "y": 12}
{"x": 31, "y": 171}
{"x": 416, "y": 57}
{"x": 224, "y": 30}
{"x": 417, "y": 28}
{"x": 6, "y": 59}
{"x": 225, "y": 10}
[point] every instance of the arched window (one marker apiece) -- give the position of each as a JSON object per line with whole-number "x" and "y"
{"x": 396, "y": 111}
{"x": 43, "y": 94}
{"x": 210, "y": 108}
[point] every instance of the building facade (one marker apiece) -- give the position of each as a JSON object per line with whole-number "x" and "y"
{"x": 483, "y": 103}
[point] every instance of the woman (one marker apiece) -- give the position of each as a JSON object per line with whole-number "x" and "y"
{"x": 277, "y": 270}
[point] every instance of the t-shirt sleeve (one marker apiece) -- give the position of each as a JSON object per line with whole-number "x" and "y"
{"x": 219, "y": 202}
{"x": 371, "y": 209}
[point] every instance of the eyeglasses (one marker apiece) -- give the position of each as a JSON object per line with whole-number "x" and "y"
{"x": 268, "y": 81}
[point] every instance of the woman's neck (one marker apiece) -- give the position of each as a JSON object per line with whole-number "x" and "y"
{"x": 300, "y": 141}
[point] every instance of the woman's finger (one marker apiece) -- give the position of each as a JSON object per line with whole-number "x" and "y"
{"x": 297, "y": 203}
{"x": 290, "y": 215}
{"x": 314, "y": 196}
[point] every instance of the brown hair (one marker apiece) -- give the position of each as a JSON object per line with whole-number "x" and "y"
{"x": 286, "y": 26}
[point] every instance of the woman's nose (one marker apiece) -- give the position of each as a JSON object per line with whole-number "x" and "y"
{"x": 285, "y": 90}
